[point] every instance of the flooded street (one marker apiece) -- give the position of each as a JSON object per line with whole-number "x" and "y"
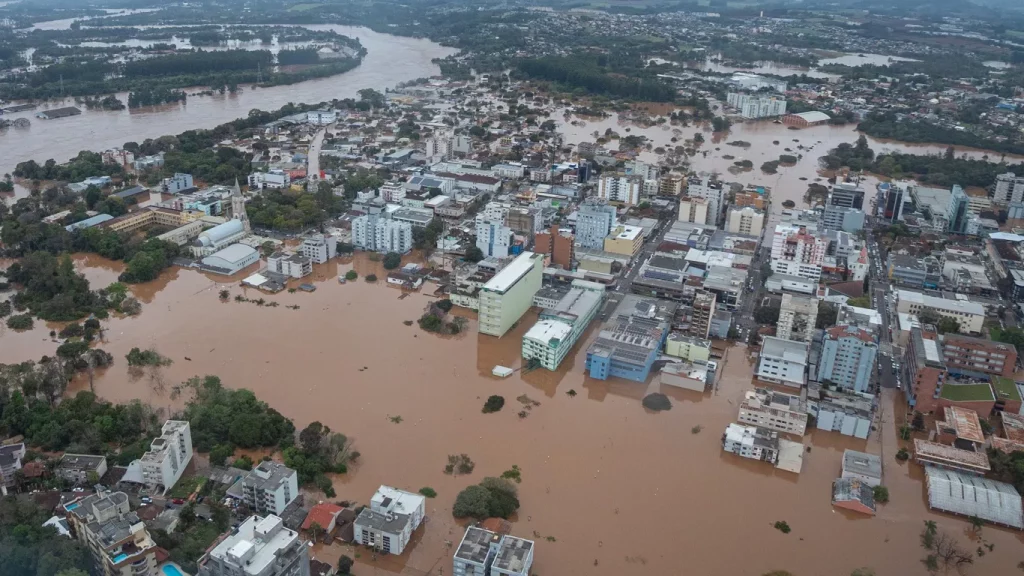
{"x": 390, "y": 60}
{"x": 618, "y": 489}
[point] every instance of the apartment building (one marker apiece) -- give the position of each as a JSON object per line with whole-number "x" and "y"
{"x": 620, "y": 188}
{"x": 10, "y": 462}
{"x": 977, "y": 357}
{"x": 783, "y": 362}
{"x": 746, "y": 220}
{"x": 508, "y": 295}
{"x": 753, "y": 106}
{"x": 703, "y": 312}
{"x": 797, "y": 252}
{"x": 373, "y": 233}
{"x": 1009, "y": 189}
{"x": 559, "y": 244}
{"x": 274, "y": 179}
{"x": 693, "y": 210}
{"x": 493, "y": 238}
{"x": 392, "y": 192}
{"x": 168, "y": 456}
{"x": 292, "y": 265}
{"x": 671, "y": 185}
{"x": 259, "y": 546}
{"x": 970, "y": 315}
{"x": 388, "y": 522}
{"x": 710, "y": 190}
{"x": 752, "y": 442}
{"x": 774, "y": 410}
{"x": 688, "y": 348}
{"x": 594, "y": 221}
{"x": 319, "y": 248}
{"x": 75, "y": 468}
{"x": 115, "y": 536}
{"x": 485, "y": 553}
{"x": 268, "y": 488}
{"x": 797, "y": 318}
{"x": 848, "y": 357}
{"x": 625, "y": 240}
{"x": 923, "y": 371}
{"x": 560, "y": 327}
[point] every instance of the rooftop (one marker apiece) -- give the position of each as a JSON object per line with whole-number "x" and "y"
{"x": 996, "y": 502}
{"x": 1006, "y": 388}
{"x": 862, "y": 463}
{"x": 1013, "y": 426}
{"x": 268, "y": 475}
{"x": 626, "y": 232}
{"x": 966, "y": 392}
{"x": 475, "y": 545}
{"x": 964, "y": 306}
{"x": 548, "y": 331}
{"x": 935, "y": 453}
{"x": 788, "y": 350}
{"x": 964, "y": 422}
{"x": 84, "y": 462}
{"x": 512, "y": 273}
{"x": 513, "y": 554}
{"x": 254, "y": 544}
{"x": 853, "y": 490}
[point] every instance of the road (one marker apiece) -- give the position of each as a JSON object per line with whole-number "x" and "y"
{"x": 313, "y": 162}
{"x": 880, "y": 288}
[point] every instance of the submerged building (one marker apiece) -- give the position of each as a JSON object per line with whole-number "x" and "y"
{"x": 629, "y": 344}
{"x": 509, "y": 294}
{"x": 560, "y": 327}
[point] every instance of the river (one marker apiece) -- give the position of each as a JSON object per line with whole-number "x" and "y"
{"x": 390, "y": 60}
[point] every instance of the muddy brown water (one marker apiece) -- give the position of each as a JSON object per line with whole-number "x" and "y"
{"x": 619, "y": 489}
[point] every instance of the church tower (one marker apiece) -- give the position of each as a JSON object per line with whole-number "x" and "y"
{"x": 238, "y": 206}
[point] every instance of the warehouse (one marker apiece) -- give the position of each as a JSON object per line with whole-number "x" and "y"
{"x": 230, "y": 259}
{"x": 995, "y": 502}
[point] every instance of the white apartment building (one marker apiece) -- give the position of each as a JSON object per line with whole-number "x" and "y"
{"x": 756, "y": 106}
{"x": 783, "y": 361}
{"x": 268, "y": 488}
{"x": 1009, "y": 189}
{"x": 509, "y": 294}
{"x": 319, "y": 247}
{"x": 392, "y": 192}
{"x": 797, "y": 252}
{"x": 388, "y": 522}
{"x": 373, "y": 233}
{"x": 620, "y": 188}
{"x": 168, "y": 456}
{"x": 493, "y": 238}
{"x": 970, "y": 315}
{"x": 797, "y": 318}
{"x": 746, "y": 220}
{"x": 558, "y": 328}
{"x": 484, "y": 553}
{"x": 751, "y": 442}
{"x": 260, "y": 546}
{"x": 642, "y": 170}
{"x": 775, "y": 411}
{"x": 693, "y": 210}
{"x": 710, "y": 191}
{"x": 274, "y": 179}
{"x": 115, "y": 536}
{"x": 293, "y": 265}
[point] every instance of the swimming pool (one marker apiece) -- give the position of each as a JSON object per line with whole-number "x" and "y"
{"x": 119, "y": 557}
{"x": 171, "y": 570}
{"x": 71, "y": 506}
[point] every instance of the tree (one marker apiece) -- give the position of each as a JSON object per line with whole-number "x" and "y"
{"x": 220, "y": 454}
{"x": 948, "y": 325}
{"x": 311, "y": 437}
{"x": 351, "y": 275}
{"x": 929, "y": 316}
{"x": 473, "y": 501}
{"x": 827, "y": 315}
{"x": 392, "y": 260}
{"x": 474, "y": 254}
{"x": 225, "y": 294}
{"x": 314, "y": 529}
{"x": 92, "y": 478}
{"x": 344, "y": 565}
{"x": 881, "y": 494}
{"x": 493, "y": 404}
{"x": 860, "y": 301}
{"x": 767, "y": 314}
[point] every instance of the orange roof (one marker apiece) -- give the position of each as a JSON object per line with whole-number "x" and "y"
{"x": 322, "y": 514}
{"x": 843, "y": 331}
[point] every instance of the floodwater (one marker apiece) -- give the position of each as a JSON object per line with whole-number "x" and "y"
{"x": 616, "y": 488}
{"x": 862, "y": 59}
{"x": 390, "y": 60}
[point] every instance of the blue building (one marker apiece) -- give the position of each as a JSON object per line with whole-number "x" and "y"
{"x": 594, "y": 222}
{"x": 630, "y": 343}
{"x": 847, "y": 357}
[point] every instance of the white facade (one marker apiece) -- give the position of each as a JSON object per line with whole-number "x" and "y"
{"x": 320, "y": 248}
{"x": 797, "y": 252}
{"x": 493, "y": 238}
{"x": 751, "y": 442}
{"x": 377, "y": 234}
{"x": 509, "y": 294}
{"x": 270, "y": 487}
{"x": 774, "y": 410}
{"x": 783, "y": 361}
{"x": 797, "y": 318}
{"x": 710, "y": 191}
{"x": 693, "y": 210}
{"x": 168, "y": 455}
{"x": 756, "y": 106}
{"x": 620, "y": 188}
{"x": 392, "y": 192}
{"x": 259, "y": 546}
{"x": 388, "y": 523}
{"x": 294, "y": 265}
{"x": 273, "y": 179}
{"x": 970, "y": 315}
{"x": 746, "y": 220}
{"x": 321, "y": 117}
{"x": 1009, "y": 188}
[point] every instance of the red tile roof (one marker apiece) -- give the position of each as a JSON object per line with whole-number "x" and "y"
{"x": 322, "y": 514}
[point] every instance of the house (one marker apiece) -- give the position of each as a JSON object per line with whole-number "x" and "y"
{"x": 388, "y": 523}
{"x": 324, "y": 515}
{"x": 853, "y": 494}
{"x": 863, "y": 467}
{"x": 75, "y": 468}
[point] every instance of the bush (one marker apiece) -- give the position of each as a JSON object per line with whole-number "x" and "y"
{"x": 902, "y": 455}
{"x": 20, "y": 322}
{"x": 787, "y": 159}
{"x": 445, "y": 305}
{"x": 788, "y": 204}
{"x": 149, "y": 357}
{"x": 392, "y": 260}
{"x": 657, "y": 402}
{"x": 881, "y": 494}
{"x": 459, "y": 464}
{"x": 428, "y": 492}
{"x": 345, "y": 565}
{"x": 783, "y": 527}
{"x": 220, "y": 454}
{"x": 351, "y": 275}
{"x": 493, "y": 404}
{"x": 371, "y": 277}
{"x": 243, "y": 462}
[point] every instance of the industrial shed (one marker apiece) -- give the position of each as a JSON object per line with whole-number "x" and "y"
{"x": 995, "y": 502}
{"x": 230, "y": 260}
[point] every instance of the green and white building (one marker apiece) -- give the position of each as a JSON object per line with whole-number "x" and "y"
{"x": 509, "y": 294}
{"x": 558, "y": 329}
